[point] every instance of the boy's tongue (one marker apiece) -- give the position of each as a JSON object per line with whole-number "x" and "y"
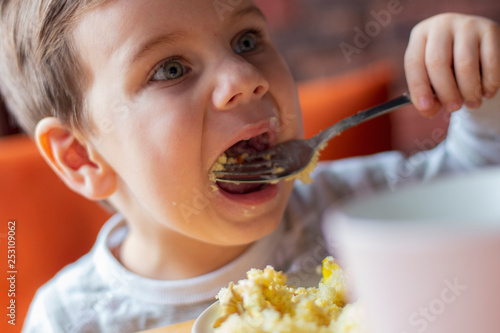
{"x": 251, "y": 146}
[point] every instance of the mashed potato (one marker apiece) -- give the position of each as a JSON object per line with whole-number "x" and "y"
{"x": 264, "y": 303}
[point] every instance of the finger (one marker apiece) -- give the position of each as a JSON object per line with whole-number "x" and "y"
{"x": 438, "y": 60}
{"x": 490, "y": 61}
{"x": 418, "y": 81}
{"x": 467, "y": 68}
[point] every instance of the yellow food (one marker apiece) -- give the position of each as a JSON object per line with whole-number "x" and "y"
{"x": 305, "y": 175}
{"x": 218, "y": 166}
{"x": 264, "y": 303}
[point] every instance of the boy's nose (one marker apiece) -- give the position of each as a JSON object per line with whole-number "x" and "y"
{"x": 238, "y": 81}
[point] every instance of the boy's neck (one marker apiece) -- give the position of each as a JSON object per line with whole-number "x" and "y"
{"x": 174, "y": 256}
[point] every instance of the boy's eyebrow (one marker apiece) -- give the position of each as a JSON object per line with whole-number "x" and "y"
{"x": 150, "y": 44}
{"x": 248, "y": 10}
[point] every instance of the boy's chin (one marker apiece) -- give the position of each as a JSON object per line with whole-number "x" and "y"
{"x": 266, "y": 203}
{"x": 253, "y": 229}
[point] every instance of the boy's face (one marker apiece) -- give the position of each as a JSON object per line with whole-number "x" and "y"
{"x": 174, "y": 84}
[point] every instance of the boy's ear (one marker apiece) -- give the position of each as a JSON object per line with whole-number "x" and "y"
{"x": 78, "y": 164}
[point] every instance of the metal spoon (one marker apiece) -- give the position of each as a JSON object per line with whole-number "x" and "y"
{"x": 290, "y": 158}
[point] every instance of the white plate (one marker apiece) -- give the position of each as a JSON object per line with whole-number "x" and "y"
{"x": 207, "y": 318}
{"x": 204, "y": 322}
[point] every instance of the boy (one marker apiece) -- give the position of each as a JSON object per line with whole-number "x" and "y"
{"x": 132, "y": 102}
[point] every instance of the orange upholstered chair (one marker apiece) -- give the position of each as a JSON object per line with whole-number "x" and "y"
{"x": 54, "y": 226}
{"x": 326, "y": 101}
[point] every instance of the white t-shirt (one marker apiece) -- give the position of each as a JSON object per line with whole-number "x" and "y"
{"x": 97, "y": 294}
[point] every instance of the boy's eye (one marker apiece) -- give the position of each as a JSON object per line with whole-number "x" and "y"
{"x": 246, "y": 43}
{"x": 169, "y": 70}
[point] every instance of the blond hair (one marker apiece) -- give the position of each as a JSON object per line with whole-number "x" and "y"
{"x": 40, "y": 72}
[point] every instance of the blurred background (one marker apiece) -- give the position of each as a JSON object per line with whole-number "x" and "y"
{"x": 318, "y": 38}
{"x": 321, "y": 38}
{"x": 310, "y": 34}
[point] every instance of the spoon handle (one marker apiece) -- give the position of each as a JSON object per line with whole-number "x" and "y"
{"x": 361, "y": 117}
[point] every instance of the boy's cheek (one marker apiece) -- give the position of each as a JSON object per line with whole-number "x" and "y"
{"x": 290, "y": 125}
{"x": 284, "y": 91}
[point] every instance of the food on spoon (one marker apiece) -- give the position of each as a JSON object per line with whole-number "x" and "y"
{"x": 264, "y": 303}
{"x": 218, "y": 166}
{"x": 303, "y": 176}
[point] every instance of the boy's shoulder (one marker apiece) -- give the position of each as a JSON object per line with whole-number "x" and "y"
{"x": 67, "y": 300}
{"x": 80, "y": 276}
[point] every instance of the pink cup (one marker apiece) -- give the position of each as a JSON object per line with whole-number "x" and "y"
{"x": 425, "y": 258}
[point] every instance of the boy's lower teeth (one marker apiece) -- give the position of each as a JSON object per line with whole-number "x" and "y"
{"x": 240, "y": 188}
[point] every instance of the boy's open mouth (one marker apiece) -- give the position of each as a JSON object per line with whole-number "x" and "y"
{"x": 237, "y": 151}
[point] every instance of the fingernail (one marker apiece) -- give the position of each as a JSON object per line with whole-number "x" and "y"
{"x": 450, "y": 107}
{"x": 487, "y": 94}
{"x": 425, "y": 103}
{"x": 472, "y": 105}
